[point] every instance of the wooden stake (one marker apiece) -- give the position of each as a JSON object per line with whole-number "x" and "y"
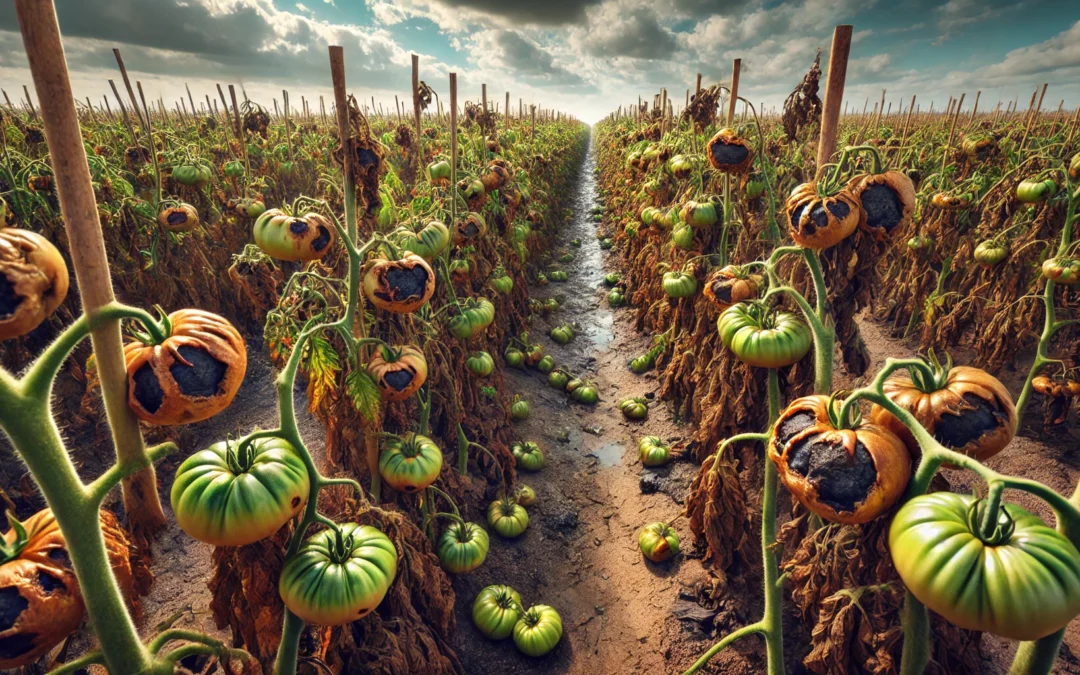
{"x": 834, "y": 93}
{"x": 506, "y": 114}
{"x": 416, "y": 105}
{"x": 78, "y": 207}
{"x": 29, "y": 103}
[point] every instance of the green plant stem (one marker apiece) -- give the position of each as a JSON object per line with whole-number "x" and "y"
{"x": 824, "y": 333}
{"x": 772, "y": 621}
{"x": 1037, "y": 658}
{"x": 289, "y": 649}
{"x": 752, "y": 629}
{"x": 771, "y": 626}
{"x": 916, "y": 624}
{"x": 34, "y": 434}
{"x": 1050, "y": 323}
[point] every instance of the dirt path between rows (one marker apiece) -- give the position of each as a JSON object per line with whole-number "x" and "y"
{"x": 580, "y": 552}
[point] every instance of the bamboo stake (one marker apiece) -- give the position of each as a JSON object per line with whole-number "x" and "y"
{"x": 834, "y": 92}
{"x": 78, "y": 207}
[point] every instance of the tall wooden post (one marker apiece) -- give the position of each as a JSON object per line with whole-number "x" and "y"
{"x": 736, "y": 67}
{"x": 834, "y": 92}
{"x": 78, "y": 207}
{"x": 416, "y": 104}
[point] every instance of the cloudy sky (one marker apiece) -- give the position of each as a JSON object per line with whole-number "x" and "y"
{"x": 581, "y": 56}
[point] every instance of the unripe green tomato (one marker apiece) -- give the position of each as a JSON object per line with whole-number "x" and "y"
{"x": 463, "y": 547}
{"x": 538, "y": 630}
{"x": 232, "y": 496}
{"x": 336, "y": 579}
{"x": 495, "y": 611}
{"x": 513, "y": 357}
{"x": 658, "y": 542}
{"x": 508, "y": 518}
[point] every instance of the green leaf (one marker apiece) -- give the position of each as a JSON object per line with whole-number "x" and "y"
{"x": 364, "y": 394}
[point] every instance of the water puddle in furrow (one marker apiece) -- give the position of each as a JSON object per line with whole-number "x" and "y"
{"x": 587, "y": 269}
{"x": 608, "y": 455}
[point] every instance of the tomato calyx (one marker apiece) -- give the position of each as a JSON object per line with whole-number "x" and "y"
{"x": 9, "y": 552}
{"x": 341, "y": 547}
{"x": 993, "y": 531}
{"x": 934, "y": 375}
{"x": 156, "y": 333}
{"x": 241, "y": 456}
{"x": 838, "y": 419}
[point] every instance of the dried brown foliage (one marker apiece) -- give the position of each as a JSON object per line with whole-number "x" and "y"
{"x": 802, "y": 108}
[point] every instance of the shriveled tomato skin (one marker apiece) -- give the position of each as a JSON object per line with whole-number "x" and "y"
{"x": 1024, "y": 588}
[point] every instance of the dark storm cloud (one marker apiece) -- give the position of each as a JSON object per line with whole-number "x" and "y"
{"x": 166, "y": 38}
{"x": 163, "y": 24}
{"x": 635, "y": 33}
{"x": 524, "y": 57}
{"x": 545, "y": 12}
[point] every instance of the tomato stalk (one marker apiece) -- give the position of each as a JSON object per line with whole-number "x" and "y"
{"x": 1051, "y": 324}
{"x": 28, "y": 422}
{"x": 771, "y": 625}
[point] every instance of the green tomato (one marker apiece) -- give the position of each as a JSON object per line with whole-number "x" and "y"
{"x": 410, "y": 463}
{"x": 546, "y": 364}
{"x": 558, "y": 379}
{"x": 192, "y": 175}
{"x": 576, "y": 243}
{"x": 233, "y": 169}
{"x": 1021, "y": 582}
{"x": 679, "y": 284}
{"x": 1034, "y": 191}
{"x": 463, "y": 547}
{"x": 755, "y": 186}
{"x": 612, "y": 278}
{"x": 250, "y": 208}
{"x": 431, "y": 240}
{"x": 460, "y": 327}
{"x": 683, "y": 236}
{"x": 658, "y": 542}
{"x": 525, "y": 495}
{"x": 990, "y": 252}
{"x": 640, "y": 364}
{"x": 513, "y": 357}
{"x": 586, "y": 393}
{"x": 605, "y": 244}
{"x": 562, "y": 334}
{"x": 480, "y": 364}
{"x": 508, "y": 518}
{"x": 528, "y": 456}
{"x": 698, "y": 214}
{"x": 519, "y": 410}
{"x": 495, "y": 611}
{"x": 538, "y": 630}
{"x": 634, "y": 408}
{"x": 503, "y": 284}
{"x": 616, "y": 299}
{"x": 551, "y": 304}
{"x": 763, "y": 337}
{"x": 566, "y": 258}
{"x": 558, "y": 275}
{"x": 653, "y": 451}
{"x": 339, "y": 576}
{"x": 295, "y": 238}
{"x": 439, "y": 172}
{"x": 232, "y": 496}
